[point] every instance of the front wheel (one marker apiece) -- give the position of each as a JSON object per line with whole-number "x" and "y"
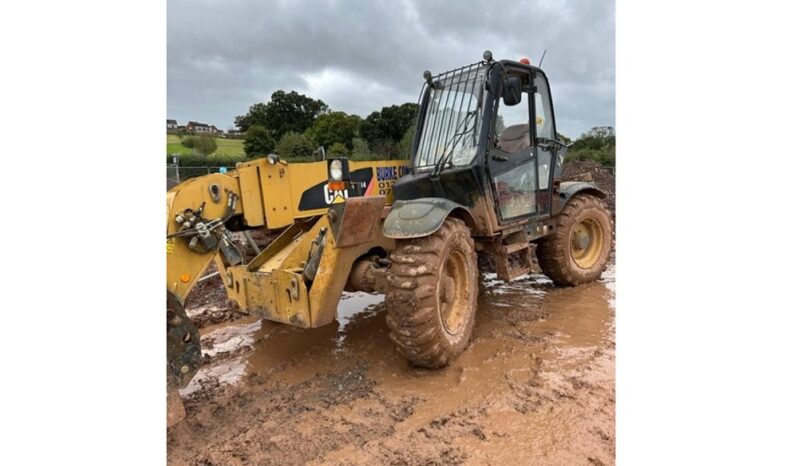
{"x": 432, "y": 297}
{"x": 579, "y": 248}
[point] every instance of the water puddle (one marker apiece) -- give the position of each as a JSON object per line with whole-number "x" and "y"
{"x": 524, "y": 328}
{"x": 226, "y": 343}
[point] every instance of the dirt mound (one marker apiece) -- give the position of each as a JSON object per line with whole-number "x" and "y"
{"x": 204, "y": 316}
{"x": 588, "y": 170}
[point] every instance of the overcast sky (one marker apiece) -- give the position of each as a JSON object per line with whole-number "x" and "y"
{"x": 358, "y": 56}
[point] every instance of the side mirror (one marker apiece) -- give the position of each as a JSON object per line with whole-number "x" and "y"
{"x": 511, "y": 92}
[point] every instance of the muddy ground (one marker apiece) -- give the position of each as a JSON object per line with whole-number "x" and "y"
{"x": 535, "y": 386}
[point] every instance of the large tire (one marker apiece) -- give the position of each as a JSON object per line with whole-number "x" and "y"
{"x": 579, "y": 248}
{"x": 183, "y": 352}
{"x": 432, "y": 297}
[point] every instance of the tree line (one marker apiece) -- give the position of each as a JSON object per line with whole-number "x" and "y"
{"x": 293, "y": 125}
{"x": 597, "y": 144}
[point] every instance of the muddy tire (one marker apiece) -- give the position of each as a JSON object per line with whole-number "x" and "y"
{"x": 579, "y": 249}
{"x": 183, "y": 352}
{"x": 432, "y": 297}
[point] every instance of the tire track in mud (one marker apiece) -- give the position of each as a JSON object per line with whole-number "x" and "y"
{"x": 535, "y": 386}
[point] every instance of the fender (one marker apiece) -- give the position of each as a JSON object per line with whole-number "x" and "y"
{"x": 421, "y": 217}
{"x": 569, "y": 188}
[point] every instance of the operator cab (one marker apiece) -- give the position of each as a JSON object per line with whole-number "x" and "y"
{"x": 486, "y": 131}
{"x": 520, "y": 156}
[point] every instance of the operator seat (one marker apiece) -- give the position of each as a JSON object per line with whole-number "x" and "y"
{"x": 514, "y": 138}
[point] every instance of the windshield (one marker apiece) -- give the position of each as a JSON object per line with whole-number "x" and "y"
{"x": 451, "y": 118}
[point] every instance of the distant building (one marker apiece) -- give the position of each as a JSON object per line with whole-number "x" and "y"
{"x": 198, "y": 128}
{"x": 171, "y": 125}
{"x": 202, "y": 128}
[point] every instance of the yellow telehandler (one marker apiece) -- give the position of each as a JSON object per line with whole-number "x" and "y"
{"x": 484, "y": 174}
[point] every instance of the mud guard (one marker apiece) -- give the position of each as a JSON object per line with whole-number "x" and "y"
{"x": 569, "y": 188}
{"x": 419, "y": 217}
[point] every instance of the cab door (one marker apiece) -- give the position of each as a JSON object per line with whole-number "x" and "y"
{"x": 549, "y": 151}
{"x": 512, "y": 159}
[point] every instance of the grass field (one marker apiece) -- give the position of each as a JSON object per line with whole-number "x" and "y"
{"x": 223, "y": 146}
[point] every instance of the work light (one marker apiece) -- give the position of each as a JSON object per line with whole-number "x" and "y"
{"x": 336, "y": 170}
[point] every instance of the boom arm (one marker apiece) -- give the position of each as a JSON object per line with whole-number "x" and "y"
{"x": 264, "y": 195}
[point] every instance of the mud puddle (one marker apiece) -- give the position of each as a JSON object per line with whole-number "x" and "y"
{"x": 535, "y": 386}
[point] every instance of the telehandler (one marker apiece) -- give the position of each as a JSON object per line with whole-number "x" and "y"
{"x": 484, "y": 175}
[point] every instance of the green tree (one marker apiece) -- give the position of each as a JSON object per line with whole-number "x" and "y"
{"x": 334, "y": 127}
{"x": 389, "y": 124}
{"x": 382, "y": 149}
{"x": 256, "y": 116}
{"x": 597, "y": 144}
{"x": 188, "y": 141}
{"x": 338, "y": 150}
{"x": 295, "y": 147}
{"x": 205, "y": 144}
{"x": 286, "y": 111}
{"x": 360, "y": 149}
{"x": 406, "y": 144}
{"x": 258, "y": 141}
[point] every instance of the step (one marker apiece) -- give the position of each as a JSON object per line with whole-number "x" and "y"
{"x": 513, "y": 261}
{"x": 515, "y": 247}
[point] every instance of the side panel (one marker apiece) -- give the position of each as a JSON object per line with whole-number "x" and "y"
{"x": 464, "y": 186}
{"x": 251, "y": 199}
{"x": 299, "y": 190}
{"x": 276, "y": 190}
{"x": 367, "y": 178}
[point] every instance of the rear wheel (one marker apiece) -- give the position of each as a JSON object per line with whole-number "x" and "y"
{"x": 579, "y": 248}
{"x": 183, "y": 356}
{"x": 432, "y": 297}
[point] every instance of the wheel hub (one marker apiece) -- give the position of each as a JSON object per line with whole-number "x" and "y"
{"x": 580, "y": 240}
{"x": 452, "y": 291}
{"x": 447, "y": 289}
{"x": 587, "y": 238}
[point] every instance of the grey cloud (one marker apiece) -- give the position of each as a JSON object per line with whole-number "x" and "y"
{"x": 358, "y": 56}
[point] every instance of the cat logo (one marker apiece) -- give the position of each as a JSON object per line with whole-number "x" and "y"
{"x": 335, "y": 197}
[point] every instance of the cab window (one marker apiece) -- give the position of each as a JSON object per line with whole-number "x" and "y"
{"x": 512, "y": 126}
{"x": 544, "y": 118}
